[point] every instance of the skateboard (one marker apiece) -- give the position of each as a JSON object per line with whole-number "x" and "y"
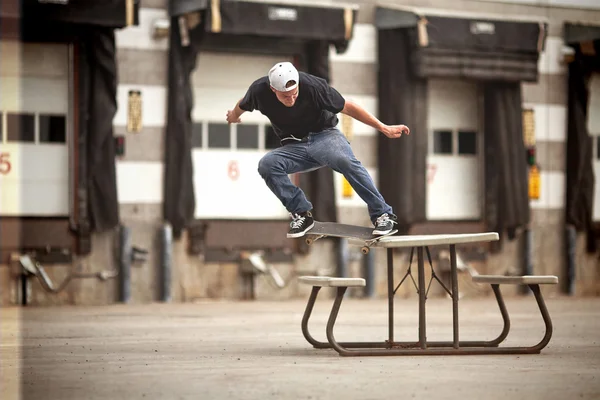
{"x": 332, "y": 229}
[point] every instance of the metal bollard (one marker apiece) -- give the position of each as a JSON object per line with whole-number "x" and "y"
{"x": 166, "y": 243}
{"x": 342, "y": 257}
{"x": 571, "y": 244}
{"x": 125, "y": 258}
{"x": 369, "y": 273}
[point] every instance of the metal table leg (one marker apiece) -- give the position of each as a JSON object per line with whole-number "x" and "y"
{"x": 422, "y": 299}
{"x": 454, "y": 277}
{"x": 390, "y": 277}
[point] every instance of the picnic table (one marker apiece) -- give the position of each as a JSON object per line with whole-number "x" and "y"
{"x": 422, "y": 346}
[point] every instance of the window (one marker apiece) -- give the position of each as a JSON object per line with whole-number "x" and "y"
{"x": 20, "y": 127}
{"x": 252, "y": 136}
{"x": 247, "y": 136}
{"x": 197, "y": 134}
{"x": 271, "y": 138}
{"x": 53, "y": 128}
{"x": 450, "y": 142}
{"x": 218, "y": 136}
{"x": 442, "y": 142}
{"x": 467, "y": 142}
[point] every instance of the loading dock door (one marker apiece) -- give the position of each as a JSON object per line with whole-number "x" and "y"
{"x": 225, "y": 158}
{"x": 454, "y": 171}
{"x": 34, "y": 105}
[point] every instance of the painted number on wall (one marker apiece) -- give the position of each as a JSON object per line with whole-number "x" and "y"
{"x": 233, "y": 170}
{"x": 5, "y": 165}
{"x": 431, "y": 170}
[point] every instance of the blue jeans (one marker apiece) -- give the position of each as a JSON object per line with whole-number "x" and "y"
{"x": 327, "y": 148}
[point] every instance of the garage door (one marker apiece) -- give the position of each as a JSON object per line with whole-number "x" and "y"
{"x": 454, "y": 164}
{"x": 594, "y": 130}
{"x": 34, "y": 173}
{"x": 225, "y": 158}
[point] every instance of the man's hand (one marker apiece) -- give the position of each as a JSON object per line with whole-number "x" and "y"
{"x": 395, "y": 131}
{"x": 359, "y": 113}
{"x": 232, "y": 117}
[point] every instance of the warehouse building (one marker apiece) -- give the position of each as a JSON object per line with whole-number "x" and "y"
{"x": 124, "y": 183}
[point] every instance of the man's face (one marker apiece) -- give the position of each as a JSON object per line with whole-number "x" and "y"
{"x": 287, "y": 98}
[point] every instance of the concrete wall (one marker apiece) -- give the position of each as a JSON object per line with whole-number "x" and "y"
{"x": 142, "y": 65}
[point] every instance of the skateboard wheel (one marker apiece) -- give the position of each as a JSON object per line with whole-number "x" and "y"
{"x": 365, "y": 250}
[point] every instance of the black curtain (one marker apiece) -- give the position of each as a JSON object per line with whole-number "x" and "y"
{"x": 97, "y": 207}
{"x": 402, "y": 100}
{"x": 319, "y": 185}
{"x": 580, "y": 178}
{"x": 102, "y": 100}
{"x": 179, "y": 200}
{"x": 97, "y": 203}
{"x": 506, "y": 170}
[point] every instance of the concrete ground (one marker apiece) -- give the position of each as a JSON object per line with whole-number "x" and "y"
{"x": 255, "y": 350}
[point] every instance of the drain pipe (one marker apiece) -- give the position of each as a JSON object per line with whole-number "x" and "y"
{"x": 571, "y": 244}
{"x": 369, "y": 273}
{"x": 124, "y": 264}
{"x": 166, "y": 243}
{"x": 24, "y": 288}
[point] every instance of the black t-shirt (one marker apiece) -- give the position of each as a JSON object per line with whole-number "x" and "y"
{"x": 315, "y": 109}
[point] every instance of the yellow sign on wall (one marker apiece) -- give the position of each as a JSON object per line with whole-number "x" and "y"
{"x": 348, "y": 129}
{"x": 134, "y": 111}
{"x": 528, "y": 128}
{"x": 534, "y": 183}
{"x": 346, "y": 188}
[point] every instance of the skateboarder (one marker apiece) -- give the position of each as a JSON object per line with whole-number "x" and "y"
{"x": 303, "y": 111}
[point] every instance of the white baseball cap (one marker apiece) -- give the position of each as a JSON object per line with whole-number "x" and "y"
{"x": 281, "y": 74}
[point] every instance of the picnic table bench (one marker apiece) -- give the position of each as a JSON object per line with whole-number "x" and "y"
{"x": 421, "y": 244}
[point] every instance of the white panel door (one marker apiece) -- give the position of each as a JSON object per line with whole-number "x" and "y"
{"x": 455, "y": 145}
{"x": 34, "y": 116}
{"x": 226, "y": 180}
{"x": 594, "y": 130}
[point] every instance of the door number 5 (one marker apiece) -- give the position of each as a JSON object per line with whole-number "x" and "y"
{"x": 5, "y": 165}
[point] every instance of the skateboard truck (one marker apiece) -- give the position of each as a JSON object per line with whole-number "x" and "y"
{"x": 364, "y": 249}
{"x": 313, "y": 238}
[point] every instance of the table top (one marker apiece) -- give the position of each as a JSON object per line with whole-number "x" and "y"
{"x": 430, "y": 240}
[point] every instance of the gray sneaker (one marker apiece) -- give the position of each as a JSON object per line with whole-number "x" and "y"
{"x": 385, "y": 224}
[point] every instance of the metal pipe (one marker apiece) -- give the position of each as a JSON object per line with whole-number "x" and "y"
{"x": 571, "y": 236}
{"x": 342, "y": 260}
{"x": 527, "y": 257}
{"x": 166, "y": 243}
{"x": 124, "y": 264}
{"x": 369, "y": 273}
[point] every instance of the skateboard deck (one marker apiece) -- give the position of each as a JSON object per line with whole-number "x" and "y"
{"x": 332, "y": 229}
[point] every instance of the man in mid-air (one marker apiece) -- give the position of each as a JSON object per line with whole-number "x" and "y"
{"x": 303, "y": 111}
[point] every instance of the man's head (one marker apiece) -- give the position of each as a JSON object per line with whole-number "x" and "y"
{"x": 283, "y": 78}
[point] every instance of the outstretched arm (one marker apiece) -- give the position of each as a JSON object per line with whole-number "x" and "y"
{"x": 233, "y": 116}
{"x": 359, "y": 113}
